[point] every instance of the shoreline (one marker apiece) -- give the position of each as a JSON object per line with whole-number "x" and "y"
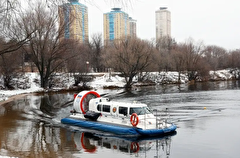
{"x": 12, "y": 98}
{"x": 8, "y": 98}
{"x": 20, "y": 95}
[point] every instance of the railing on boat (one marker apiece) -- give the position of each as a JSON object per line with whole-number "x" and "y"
{"x": 160, "y": 118}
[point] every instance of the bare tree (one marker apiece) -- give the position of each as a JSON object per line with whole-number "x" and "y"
{"x": 9, "y": 11}
{"x": 46, "y": 50}
{"x": 192, "y": 53}
{"x": 203, "y": 68}
{"x": 165, "y": 46}
{"x": 235, "y": 59}
{"x": 96, "y": 50}
{"x": 80, "y": 65}
{"x": 9, "y": 67}
{"x": 178, "y": 59}
{"x": 130, "y": 57}
{"x": 215, "y": 56}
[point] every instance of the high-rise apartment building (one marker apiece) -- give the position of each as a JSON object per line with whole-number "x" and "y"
{"x": 163, "y": 22}
{"x": 132, "y": 27}
{"x": 74, "y": 17}
{"x": 116, "y": 25}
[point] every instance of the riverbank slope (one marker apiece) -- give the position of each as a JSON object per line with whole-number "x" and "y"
{"x": 29, "y": 82}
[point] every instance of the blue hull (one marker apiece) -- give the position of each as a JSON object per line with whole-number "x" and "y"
{"x": 119, "y": 130}
{"x": 154, "y": 132}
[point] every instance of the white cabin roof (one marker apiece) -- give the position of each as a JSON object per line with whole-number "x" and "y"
{"x": 106, "y": 101}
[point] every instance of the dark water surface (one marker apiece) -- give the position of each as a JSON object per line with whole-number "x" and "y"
{"x": 207, "y": 116}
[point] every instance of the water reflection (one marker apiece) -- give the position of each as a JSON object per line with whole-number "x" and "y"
{"x": 31, "y": 139}
{"x": 27, "y": 126}
{"x": 174, "y": 88}
{"x": 221, "y": 85}
{"x": 90, "y": 143}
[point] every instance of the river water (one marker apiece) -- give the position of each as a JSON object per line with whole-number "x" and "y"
{"x": 207, "y": 116}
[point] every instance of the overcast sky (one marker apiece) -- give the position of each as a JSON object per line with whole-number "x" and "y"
{"x": 215, "y": 22}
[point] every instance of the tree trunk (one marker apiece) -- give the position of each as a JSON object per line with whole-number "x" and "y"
{"x": 129, "y": 82}
{"x": 7, "y": 80}
{"x": 179, "y": 76}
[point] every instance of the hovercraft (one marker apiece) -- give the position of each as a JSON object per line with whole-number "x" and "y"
{"x": 92, "y": 111}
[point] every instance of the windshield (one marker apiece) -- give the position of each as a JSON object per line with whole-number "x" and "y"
{"x": 140, "y": 110}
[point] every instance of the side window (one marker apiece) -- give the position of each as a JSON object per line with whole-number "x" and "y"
{"x": 123, "y": 110}
{"x": 131, "y": 111}
{"x": 99, "y": 107}
{"x": 106, "y": 108}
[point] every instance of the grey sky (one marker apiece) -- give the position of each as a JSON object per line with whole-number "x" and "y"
{"x": 215, "y": 22}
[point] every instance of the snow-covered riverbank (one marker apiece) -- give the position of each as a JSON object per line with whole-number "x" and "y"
{"x": 30, "y": 81}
